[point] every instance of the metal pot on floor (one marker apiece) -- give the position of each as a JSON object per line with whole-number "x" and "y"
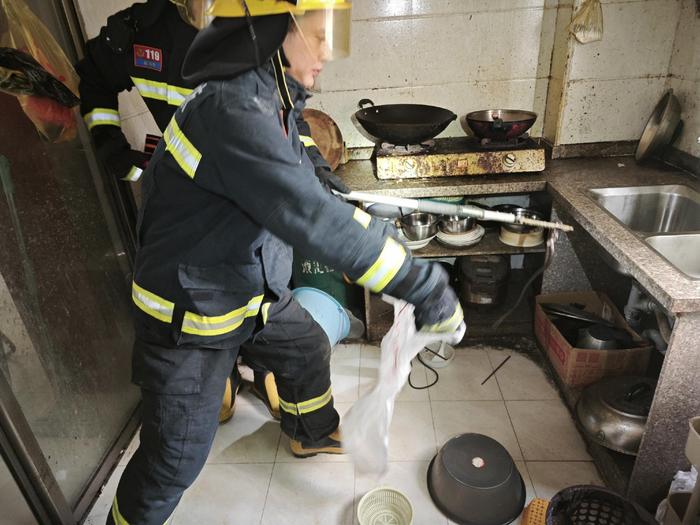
{"x": 483, "y": 279}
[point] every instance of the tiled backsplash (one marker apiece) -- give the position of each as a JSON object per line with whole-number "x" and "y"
{"x": 466, "y": 55}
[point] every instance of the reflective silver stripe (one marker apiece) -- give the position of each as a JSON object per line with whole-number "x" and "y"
{"x": 134, "y": 174}
{"x": 152, "y": 304}
{"x": 220, "y": 324}
{"x": 182, "y": 150}
{"x": 102, "y": 117}
{"x": 385, "y": 267}
{"x": 173, "y": 95}
{"x": 307, "y": 141}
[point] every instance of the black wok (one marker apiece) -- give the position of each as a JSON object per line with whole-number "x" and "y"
{"x": 403, "y": 123}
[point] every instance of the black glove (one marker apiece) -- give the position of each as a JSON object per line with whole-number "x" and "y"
{"x": 330, "y": 180}
{"x": 427, "y": 287}
{"x": 115, "y": 153}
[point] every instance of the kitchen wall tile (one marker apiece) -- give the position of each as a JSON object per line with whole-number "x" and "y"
{"x": 94, "y": 14}
{"x": 549, "y": 477}
{"x": 685, "y": 61}
{"x": 606, "y": 110}
{"x": 130, "y": 449}
{"x": 303, "y": 493}
{"x": 688, "y": 93}
{"x": 410, "y": 478}
{"x": 560, "y": 51}
{"x": 551, "y": 119}
{"x": 382, "y": 56}
{"x": 226, "y": 494}
{"x": 434, "y": 7}
{"x": 545, "y": 431}
{"x": 637, "y": 42}
{"x": 371, "y": 9}
{"x": 102, "y": 507}
{"x": 490, "y": 418}
{"x": 461, "y": 379}
{"x": 548, "y": 29}
{"x": 135, "y": 129}
{"x": 480, "y": 46}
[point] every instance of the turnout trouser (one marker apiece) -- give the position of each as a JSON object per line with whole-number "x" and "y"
{"x": 181, "y": 396}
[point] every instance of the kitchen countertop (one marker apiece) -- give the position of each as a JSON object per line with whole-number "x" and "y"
{"x": 568, "y": 181}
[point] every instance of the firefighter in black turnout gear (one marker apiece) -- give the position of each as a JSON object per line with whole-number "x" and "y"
{"x": 229, "y": 190}
{"x": 144, "y": 47}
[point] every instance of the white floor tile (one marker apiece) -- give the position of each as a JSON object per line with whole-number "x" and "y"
{"x": 226, "y": 494}
{"x": 369, "y": 370}
{"x": 549, "y": 477}
{"x": 284, "y": 454}
{"x": 345, "y": 372}
{"x": 251, "y": 436}
{"x": 520, "y": 378}
{"x": 308, "y": 493}
{"x": 461, "y": 379}
{"x": 410, "y": 478}
{"x": 411, "y": 435}
{"x": 490, "y": 418}
{"x": 546, "y": 431}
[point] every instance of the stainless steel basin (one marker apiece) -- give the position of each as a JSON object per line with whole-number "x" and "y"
{"x": 671, "y": 208}
{"x": 682, "y": 251}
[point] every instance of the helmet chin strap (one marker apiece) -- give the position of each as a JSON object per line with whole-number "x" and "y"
{"x": 282, "y": 88}
{"x": 251, "y": 30}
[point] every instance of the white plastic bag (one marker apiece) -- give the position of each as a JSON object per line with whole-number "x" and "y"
{"x": 587, "y": 24}
{"x": 366, "y": 425}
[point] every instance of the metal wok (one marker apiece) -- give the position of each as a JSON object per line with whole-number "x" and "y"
{"x": 500, "y": 124}
{"x": 403, "y": 124}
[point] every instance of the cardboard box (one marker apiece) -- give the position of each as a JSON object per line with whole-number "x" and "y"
{"x": 583, "y": 366}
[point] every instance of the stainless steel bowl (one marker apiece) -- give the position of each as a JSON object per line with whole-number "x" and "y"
{"x": 522, "y": 212}
{"x": 456, "y": 224}
{"x": 419, "y": 225}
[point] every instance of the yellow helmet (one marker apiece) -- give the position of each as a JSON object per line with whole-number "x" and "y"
{"x": 337, "y": 16}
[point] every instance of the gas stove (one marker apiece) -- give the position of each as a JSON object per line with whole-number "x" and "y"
{"x": 458, "y": 156}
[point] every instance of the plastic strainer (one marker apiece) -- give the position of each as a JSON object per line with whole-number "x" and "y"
{"x": 384, "y": 506}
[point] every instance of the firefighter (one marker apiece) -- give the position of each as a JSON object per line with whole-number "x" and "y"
{"x": 144, "y": 47}
{"x": 228, "y": 192}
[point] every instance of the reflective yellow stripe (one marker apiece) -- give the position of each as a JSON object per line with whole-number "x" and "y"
{"x": 134, "y": 174}
{"x": 385, "y": 267}
{"x": 173, "y": 95}
{"x": 362, "y": 217}
{"x": 102, "y": 117}
{"x": 307, "y": 141}
{"x": 305, "y": 407}
{"x": 152, "y": 304}
{"x": 221, "y": 324}
{"x": 184, "y": 152}
{"x": 116, "y": 515}
{"x": 450, "y": 325}
{"x": 265, "y": 309}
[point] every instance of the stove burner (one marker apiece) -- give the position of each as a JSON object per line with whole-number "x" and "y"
{"x": 407, "y": 149}
{"x": 515, "y": 143}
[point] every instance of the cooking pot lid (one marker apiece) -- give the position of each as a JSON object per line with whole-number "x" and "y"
{"x": 477, "y": 461}
{"x": 630, "y": 395}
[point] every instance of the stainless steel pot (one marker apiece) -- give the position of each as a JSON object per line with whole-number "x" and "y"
{"x": 456, "y": 224}
{"x": 614, "y": 411}
{"x": 598, "y": 337}
{"x": 419, "y": 225}
{"x": 660, "y": 127}
{"x": 522, "y": 212}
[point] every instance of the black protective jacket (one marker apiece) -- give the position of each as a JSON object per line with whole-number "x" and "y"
{"x": 228, "y": 192}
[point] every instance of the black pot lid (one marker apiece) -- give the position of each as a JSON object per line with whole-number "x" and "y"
{"x": 475, "y": 460}
{"x": 629, "y": 395}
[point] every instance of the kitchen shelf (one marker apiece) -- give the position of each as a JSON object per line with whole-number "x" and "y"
{"x": 489, "y": 245}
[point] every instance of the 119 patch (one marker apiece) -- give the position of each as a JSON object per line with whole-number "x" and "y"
{"x": 148, "y": 57}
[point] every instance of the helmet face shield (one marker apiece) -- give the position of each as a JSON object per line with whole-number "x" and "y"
{"x": 326, "y": 32}
{"x": 195, "y": 12}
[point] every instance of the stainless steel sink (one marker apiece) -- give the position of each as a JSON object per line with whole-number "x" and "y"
{"x": 666, "y": 217}
{"x": 682, "y": 251}
{"x": 652, "y": 209}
